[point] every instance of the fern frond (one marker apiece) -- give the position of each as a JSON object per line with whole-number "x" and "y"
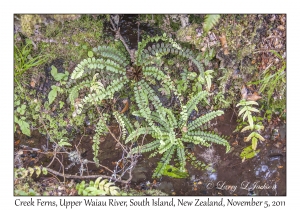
{"x": 143, "y": 44}
{"x": 104, "y": 93}
{"x": 73, "y": 94}
{"x": 97, "y": 188}
{"x": 100, "y": 130}
{"x": 142, "y": 99}
{"x": 210, "y": 137}
{"x": 192, "y": 103}
{"x": 133, "y": 136}
{"x": 111, "y": 53}
{"x": 153, "y": 72}
{"x": 210, "y": 21}
{"x": 146, "y": 148}
{"x": 164, "y": 162}
{"x": 172, "y": 121}
{"x": 91, "y": 66}
{"x": 164, "y": 146}
{"x": 204, "y": 119}
{"x": 125, "y": 124}
{"x": 195, "y": 140}
{"x": 181, "y": 158}
{"x": 128, "y": 124}
{"x": 156, "y": 118}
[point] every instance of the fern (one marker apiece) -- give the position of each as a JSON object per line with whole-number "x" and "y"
{"x": 190, "y": 106}
{"x": 210, "y": 137}
{"x": 113, "y": 54}
{"x": 164, "y": 162}
{"x": 146, "y": 148}
{"x": 210, "y": 21}
{"x": 204, "y": 119}
{"x": 100, "y": 130}
{"x": 195, "y": 140}
{"x": 246, "y": 110}
{"x": 171, "y": 130}
{"x": 22, "y": 173}
{"x": 181, "y": 158}
{"x": 99, "y": 187}
{"x": 135, "y": 134}
{"x": 110, "y": 71}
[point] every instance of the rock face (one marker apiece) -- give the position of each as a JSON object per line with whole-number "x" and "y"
{"x": 166, "y": 187}
{"x": 138, "y": 174}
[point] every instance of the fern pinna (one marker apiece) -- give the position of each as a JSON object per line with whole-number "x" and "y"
{"x": 110, "y": 71}
{"x": 170, "y": 131}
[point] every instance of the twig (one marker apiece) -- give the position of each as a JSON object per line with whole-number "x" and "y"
{"x": 69, "y": 176}
{"x": 63, "y": 168}
{"x": 118, "y": 35}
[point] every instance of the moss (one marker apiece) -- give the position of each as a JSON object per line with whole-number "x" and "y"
{"x": 248, "y": 153}
{"x": 196, "y": 18}
{"x": 174, "y": 172}
{"x": 175, "y": 25}
{"x": 28, "y": 22}
{"x": 189, "y": 35}
{"x": 73, "y": 39}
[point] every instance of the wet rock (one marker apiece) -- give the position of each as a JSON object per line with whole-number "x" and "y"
{"x": 138, "y": 174}
{"x": 282, "y": 132}
{"x": 166, "y": 187}
{"x": 275, "y": 134}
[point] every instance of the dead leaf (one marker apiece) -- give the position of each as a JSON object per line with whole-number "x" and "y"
{"x": 224, "y": 44}
{"x": 244, "y": 92}
{"x": 184, "y": 129}
{"x": 235, "y": 143}
{"x": 281, "y": 27}
{"x": 32, "y": 83}
{"x": 254, "y": 97}
{"x": 126, "y": 107}
{"x": 17, "y": 142}
{"x": 188, "y": 38}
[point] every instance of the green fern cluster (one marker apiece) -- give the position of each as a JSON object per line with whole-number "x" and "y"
{"x": 108, "y": 71}
{"x": 171, "y": 131}
{"x": 99, "y": 187}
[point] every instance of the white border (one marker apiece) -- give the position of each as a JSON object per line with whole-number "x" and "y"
{"x": 138, "y": 7}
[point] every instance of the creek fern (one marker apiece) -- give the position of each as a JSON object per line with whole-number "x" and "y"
{"x": 210, "y": 21}
{"x": 108, "y": 71}
{"x": 171, "y": 131}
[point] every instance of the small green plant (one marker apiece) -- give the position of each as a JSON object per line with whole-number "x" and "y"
{"x": 254, "y": 136}
{"x": 22, "y": 173}
{"x": 109, "y": 71}
{"x": 174, "y": 172}
{"x": 194, "y": 161}
{"x": 272, "y": 83}
{"x": 246, "y": 111}
{"x": 20, "y": 119}
{"x": 170, "y": 130}
{"x": 210, "y": 21}
{"x": 59, "y": 76}
{"x": 99, "y": 187}
{"x": 24, "y": 184}
{"x": 23, "y": 59}
{"x": 248, "y": 153}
